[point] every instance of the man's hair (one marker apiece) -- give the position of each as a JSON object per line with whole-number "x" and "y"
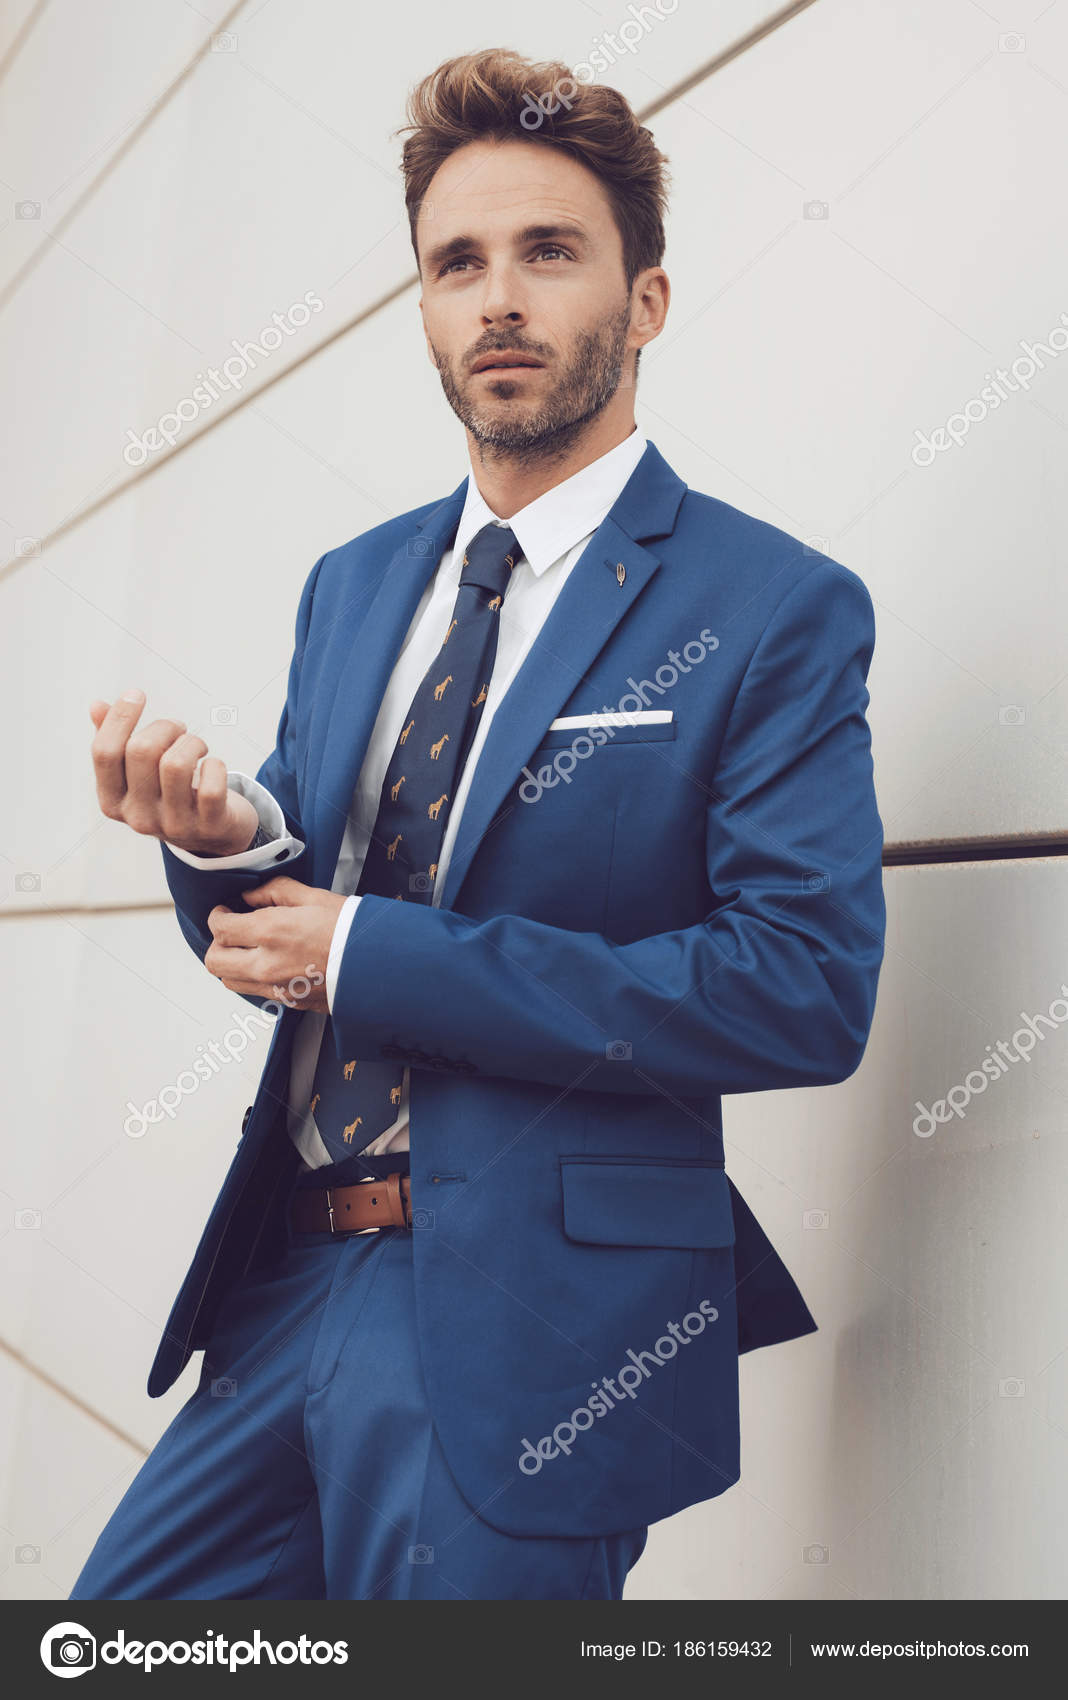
{"x": 484, "y": 96}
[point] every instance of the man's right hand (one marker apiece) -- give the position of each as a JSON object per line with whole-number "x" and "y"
{"x": 145, "y": 778}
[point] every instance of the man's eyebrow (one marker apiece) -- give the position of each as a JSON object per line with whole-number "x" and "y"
{"x": 553, "y": 232}
{"x": 445, "y": 251}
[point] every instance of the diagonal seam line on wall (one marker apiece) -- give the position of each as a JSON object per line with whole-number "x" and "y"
{"x": 70, "y": 1398}
{"x": 124, "y": 147}
{"x": 21, "y": 36}
{"x": 677, "y": 91}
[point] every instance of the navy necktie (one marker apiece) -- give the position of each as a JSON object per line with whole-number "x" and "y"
{"x": 353, "y": 1102}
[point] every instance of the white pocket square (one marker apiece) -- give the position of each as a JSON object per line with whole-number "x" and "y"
{"x": 643, "y": 717}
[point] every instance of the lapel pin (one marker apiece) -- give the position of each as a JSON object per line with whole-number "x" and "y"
{"x": 621, "y": 572}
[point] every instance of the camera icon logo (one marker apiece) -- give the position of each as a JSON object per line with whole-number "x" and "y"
{"x": 27, "y": 1219}
{"x": 1011, "y": 1388}
{"x": 420, "y": 1555}
{"x": 68, "y": 1649}
{"x": 816, "y": 209}
{"x": 420, "y": 882}
{"x": 422, "y": 1219}
{"x": 814, "y": 880}
{"x": 223, "y": 1387}
{"x": 617, "y": 1050}
{"x": 1012, "y": 43}
{"x": 27, "y": 546}
{"x": 27, "y": 1555}
{"x": 27, "y": 209}
{"x": 1011, "y": 714}
{"x": 224, "y": 42}
{"x": 224, "y": 714}
{"x": 420, "y": 548}
{"x": 815, "y": 1219}
{"x": 27, "y": 882}
{"x": 815, "y": 1554}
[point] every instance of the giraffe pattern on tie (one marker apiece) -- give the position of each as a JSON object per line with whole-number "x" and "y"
{"x": 352, "y": 1105}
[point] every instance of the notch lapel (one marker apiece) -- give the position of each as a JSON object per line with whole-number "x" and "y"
{"x": 579, "y": 624}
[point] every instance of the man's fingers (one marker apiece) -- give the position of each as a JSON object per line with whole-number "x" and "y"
{"x": 178, "y": 799}
{"x": 230, "y": 962}
{"x": 109, "y": 750}
{"x": 211, "y": 794}
{"x": 144, "y": 747}
{"x": 231, "y": 927}
{"x": 282, "y": 889}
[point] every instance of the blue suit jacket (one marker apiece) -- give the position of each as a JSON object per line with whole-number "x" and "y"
{"x": 692, "y": 910}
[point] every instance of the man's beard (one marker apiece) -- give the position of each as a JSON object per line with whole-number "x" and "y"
{"x": 548, "y": 429}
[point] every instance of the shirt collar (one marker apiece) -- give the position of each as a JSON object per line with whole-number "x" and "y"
{"x": 554, "y": 522}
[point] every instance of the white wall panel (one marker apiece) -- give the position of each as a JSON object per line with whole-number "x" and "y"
{"x": 64, "y": 1474}
{"x": 60, "y": 128}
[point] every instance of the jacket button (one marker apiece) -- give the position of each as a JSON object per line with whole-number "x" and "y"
{"x": 244, "y": 1118}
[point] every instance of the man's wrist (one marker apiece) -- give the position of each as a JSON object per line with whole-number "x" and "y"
{"x": 260, "y": 836}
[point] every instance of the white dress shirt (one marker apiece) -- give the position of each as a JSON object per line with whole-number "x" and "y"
{"x": 552, "y": 532}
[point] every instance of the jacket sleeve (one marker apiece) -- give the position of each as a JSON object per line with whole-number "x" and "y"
{"x": 196, "y": 890}
{"x": 774, "y": 987}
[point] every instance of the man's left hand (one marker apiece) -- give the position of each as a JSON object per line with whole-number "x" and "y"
{"x": 282, "y": 950}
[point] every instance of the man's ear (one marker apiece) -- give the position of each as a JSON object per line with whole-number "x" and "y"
{"x": 650, "y": 301}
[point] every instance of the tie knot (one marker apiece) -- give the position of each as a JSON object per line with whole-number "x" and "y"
{"x": 489, "y": 559}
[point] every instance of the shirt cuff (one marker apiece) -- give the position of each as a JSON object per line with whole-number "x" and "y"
{"x": 273, "y": 845}
{"x": 337, "y": 947}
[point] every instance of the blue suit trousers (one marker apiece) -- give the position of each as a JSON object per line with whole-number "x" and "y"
{"x": 306, "y": 1465}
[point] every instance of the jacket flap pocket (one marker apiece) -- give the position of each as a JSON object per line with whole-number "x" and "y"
{"x": 626, "y": 1201}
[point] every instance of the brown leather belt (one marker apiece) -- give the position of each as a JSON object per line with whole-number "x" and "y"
{"x": 363, "y": 1208}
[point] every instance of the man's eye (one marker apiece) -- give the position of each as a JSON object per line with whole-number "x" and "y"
{"x": 461, "y": 261}
{"x": 553, "y": 248}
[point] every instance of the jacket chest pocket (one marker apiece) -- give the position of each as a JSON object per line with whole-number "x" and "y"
{"x": 586, "y": 737}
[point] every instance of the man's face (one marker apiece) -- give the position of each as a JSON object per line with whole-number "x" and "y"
{"x": 521, "y": 260}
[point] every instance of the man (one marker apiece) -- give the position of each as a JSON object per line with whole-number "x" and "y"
{"x": 569, "y": 828}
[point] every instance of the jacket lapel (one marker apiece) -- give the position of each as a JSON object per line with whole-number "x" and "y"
{"x": 580, "y": 623}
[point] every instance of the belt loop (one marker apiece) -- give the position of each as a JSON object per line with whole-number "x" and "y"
{"x": 398, "y": 1214}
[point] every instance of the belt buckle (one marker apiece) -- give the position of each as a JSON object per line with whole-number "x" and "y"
{"x": 329, "y": 1207}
